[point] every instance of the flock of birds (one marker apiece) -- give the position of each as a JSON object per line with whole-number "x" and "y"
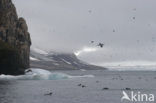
{"x": 104, "y": 88}
{"x": 84, "y": 86}
{"x": 102, "y": 44}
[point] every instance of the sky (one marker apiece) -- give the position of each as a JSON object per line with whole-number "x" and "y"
{"x": 126, "y": 27}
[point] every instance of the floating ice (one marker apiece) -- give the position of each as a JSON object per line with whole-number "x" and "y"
{"x": 40, "y": 74}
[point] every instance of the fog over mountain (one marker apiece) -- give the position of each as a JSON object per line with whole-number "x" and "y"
{"x": 126, "y": 27}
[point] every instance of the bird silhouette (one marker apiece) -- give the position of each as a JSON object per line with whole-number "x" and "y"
{"x": 92, "y": 41}
{"x": 79, "y": 84}
{"x": 90, "y": 11}
{"x": 48, "y": 94}
{"x": 113, "y": 30}
{"x": 128, "y": 88}
{"x": 105, "y": 88}
{"x": 134, "y": 9}
{"x": 100, "y": 45}
{"x": 83, "y": 86}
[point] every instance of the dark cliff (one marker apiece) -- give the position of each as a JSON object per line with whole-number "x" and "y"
{"x": 14, "y": 40}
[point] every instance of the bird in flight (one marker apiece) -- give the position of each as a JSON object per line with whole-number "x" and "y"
{"x": 113, "y": 30}
{"x": 48, "y": 94}
{"x": 92, "y": 41}
{"x": 100, "y": 45}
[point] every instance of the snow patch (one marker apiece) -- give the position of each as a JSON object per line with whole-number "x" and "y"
{"x": 66, "y": 61}
{"x": 55, "y": 63}
{"x": 40, "y": 51}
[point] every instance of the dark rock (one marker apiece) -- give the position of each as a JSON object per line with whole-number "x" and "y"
{"x": 14, "y": 40}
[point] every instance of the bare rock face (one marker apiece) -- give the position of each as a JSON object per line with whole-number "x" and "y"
{"x": 14, "y": 40}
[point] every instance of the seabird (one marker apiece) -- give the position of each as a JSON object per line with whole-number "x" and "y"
{"x": 101, "y": 45}
{"x": 128, "y": 88}
{"x": 97, "y": 81}
{"x": 92, "y": 41}
{"x": 79, "y": 84}
{"x": 105, "y": 88}
{"x": 134, "y": 9}
{"x": 83, "y": 86}
{"x": 90, "y": 11}
{"x": 113, "y": 30}
{"x": 49, "y": 94}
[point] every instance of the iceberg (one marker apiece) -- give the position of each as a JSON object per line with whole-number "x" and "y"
{"x": 41, "y": 74}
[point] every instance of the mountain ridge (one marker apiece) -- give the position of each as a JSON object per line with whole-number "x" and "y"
{"x": 58, "y": 61}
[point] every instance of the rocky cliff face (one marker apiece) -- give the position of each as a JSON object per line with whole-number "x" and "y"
{"x": 14, "y": 40}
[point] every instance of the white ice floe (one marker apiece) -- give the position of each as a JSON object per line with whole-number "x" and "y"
{"x": 40, "y": 74}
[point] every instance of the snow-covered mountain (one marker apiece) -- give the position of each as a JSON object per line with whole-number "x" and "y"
{"x": 52, "y": 60}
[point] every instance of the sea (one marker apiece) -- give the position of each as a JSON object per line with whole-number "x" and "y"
{"x": 78, "y": 86}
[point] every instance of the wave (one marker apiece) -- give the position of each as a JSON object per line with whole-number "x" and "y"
{"x": 40, "y": 74}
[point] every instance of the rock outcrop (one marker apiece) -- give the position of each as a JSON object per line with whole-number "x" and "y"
{"x": 14, "y": 40}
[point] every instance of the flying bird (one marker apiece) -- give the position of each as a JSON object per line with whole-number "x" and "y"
{"x": 134, "y": 9}
{"x": 100, "y": 45}
{"x": 90, "y": 11}
{"x": 113, "y": 30}
{"x": 92, "y": 41}
{"x": 48, "y": 94}
{"x": 83, "y": 86}
{"x": 79, "y": 84}
{"x": 105, "y": 88}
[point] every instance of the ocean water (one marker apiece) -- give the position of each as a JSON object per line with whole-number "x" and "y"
{"x": 65, "y": 86}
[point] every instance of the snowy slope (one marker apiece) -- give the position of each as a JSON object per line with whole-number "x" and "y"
{"x": 52, "y": 60}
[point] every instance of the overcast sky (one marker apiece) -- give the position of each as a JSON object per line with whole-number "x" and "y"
{"x": 126, "y": 27}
